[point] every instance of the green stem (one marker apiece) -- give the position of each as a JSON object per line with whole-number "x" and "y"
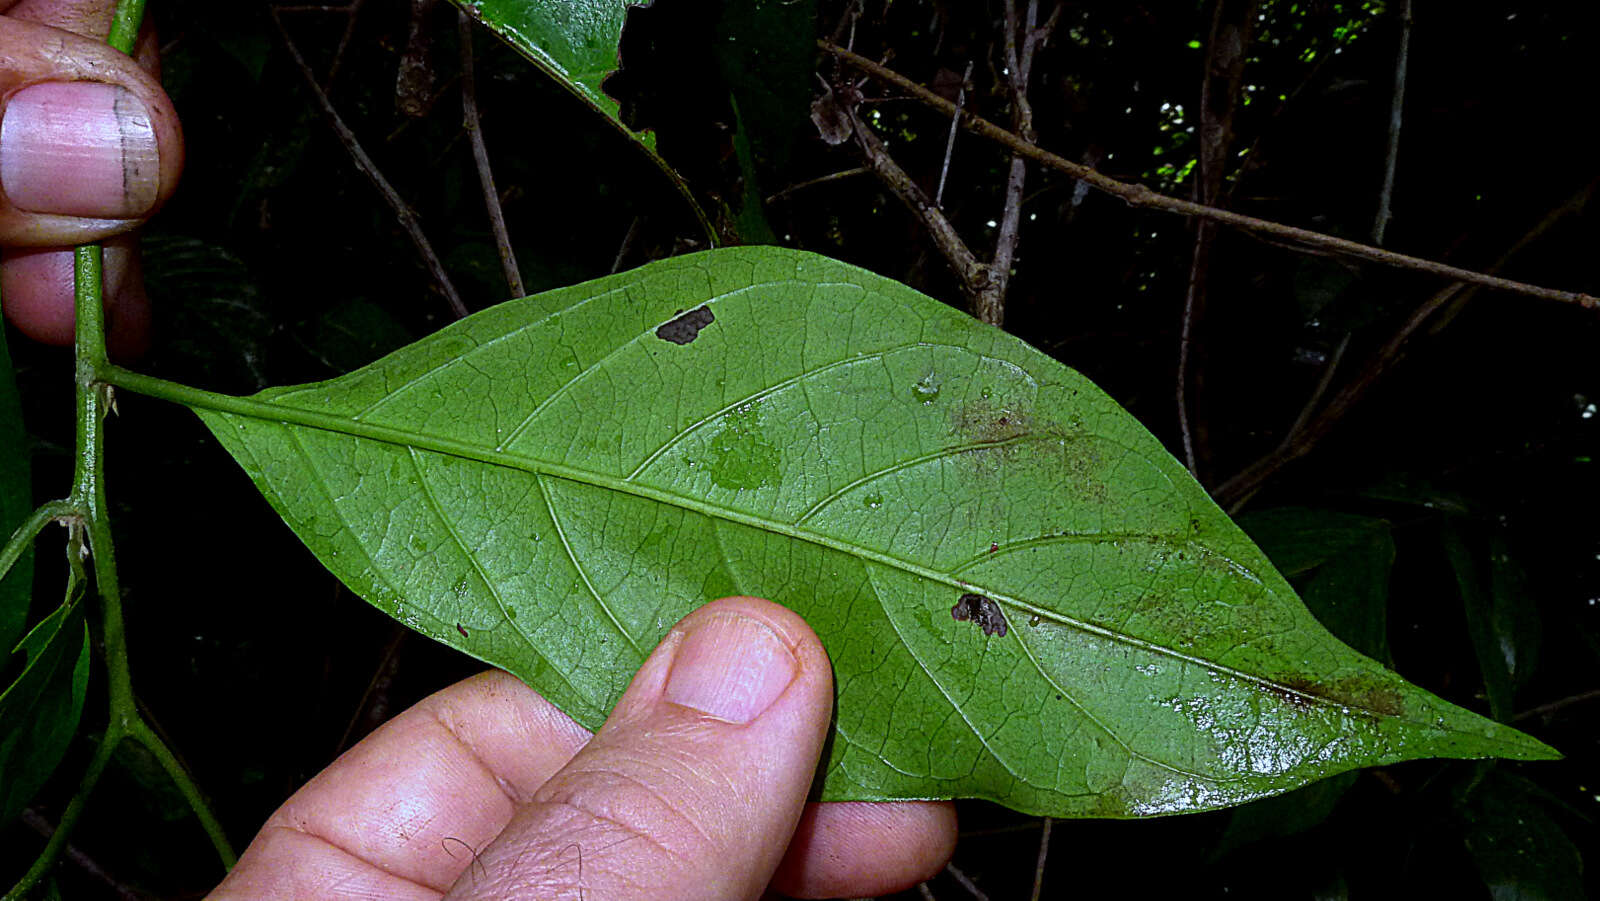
{"x": 88, "y": 503}
{"x": 69, "y": 817}
{"x": 141, "y": 732}
{"x": 125, "y": 24}
{"x": 31, "y": 527}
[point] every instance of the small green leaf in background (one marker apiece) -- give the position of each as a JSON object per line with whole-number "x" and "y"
{"x": 1521, "y": 852}
{"x": 217, "y": 309}
{"x": 1341, "y": 563}
{"x": 1489, "y": 644}
{"x": 39, "y": 710}
{"x": 16, "y": 502}
{"x": 1025, "y": 598}
{"x": 1513, "y": 614}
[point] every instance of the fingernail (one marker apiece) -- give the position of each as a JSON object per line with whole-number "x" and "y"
{"x": 79, "y": 148}
{"x": 731, "y": 667}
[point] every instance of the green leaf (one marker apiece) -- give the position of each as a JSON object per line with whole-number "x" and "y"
{"x": 575, "y": 42}
{"x": 16, "y": 502}
{"x": 39, "y": 710}
{"x": 1345, "y": 562}
{"x": 550, "y": 484}
{"x": 1493, "y": 661}
{"x": 1513, "y": 615}
{"x": 1521, "y": 852}
{"x": 1283, "y": 815}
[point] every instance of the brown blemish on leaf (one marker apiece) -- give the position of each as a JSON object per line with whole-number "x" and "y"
{"x": 686, "y": 327}
{"x": 981, "y": 610}
{"x": 1356, "y": 693}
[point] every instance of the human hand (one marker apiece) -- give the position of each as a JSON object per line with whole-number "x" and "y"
{"x": 693, "y": 789}
{"x": 89, "y": 149}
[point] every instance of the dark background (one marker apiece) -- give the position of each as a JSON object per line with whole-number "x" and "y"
{"x": 277, "y": 263}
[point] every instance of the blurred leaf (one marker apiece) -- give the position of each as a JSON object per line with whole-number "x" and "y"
{"x": 1025, "y": 597}
{"x": 766, "y": 51}
{"x": 1487, "y": 642}
{"x": 1417, "y": 491}
{"x": 1344, "y": 562}
{"x": 752, "y": 218}
{"x": 354, "y": 333}
{"x": 1514, "y": 617}
{"x": 39, "y": 710}
{"x": 1520, "y": 851}
{"x": 1284, "y": 815}
{"x": 217, "y": 314}
{"x": 16, "y": 502}
{"x": 1299, "y": 539}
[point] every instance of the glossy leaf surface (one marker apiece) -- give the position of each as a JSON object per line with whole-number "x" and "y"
{"x": 550, "y": 484}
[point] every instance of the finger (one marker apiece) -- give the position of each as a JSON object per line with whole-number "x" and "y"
{"x": 36, "y": 290}
{"x": 857, "y": 849}
{"x": 403, "y": 812}
{"x": 693, "y": 787}
{"x": 89, "y": 143}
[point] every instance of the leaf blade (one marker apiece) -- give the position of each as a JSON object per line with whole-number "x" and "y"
{"x": 549, "y": 486}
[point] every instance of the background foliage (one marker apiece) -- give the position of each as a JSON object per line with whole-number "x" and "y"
{"x": 1445, "y": 525}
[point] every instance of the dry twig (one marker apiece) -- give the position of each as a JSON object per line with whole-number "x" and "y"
{"x": 1233, "y": 493}
{"x": 1141, "y": 196}
{"x": 402, "y": 211}
{"x": 480, "y": 156}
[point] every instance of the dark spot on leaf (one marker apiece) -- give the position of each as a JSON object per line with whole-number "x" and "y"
{"x": 981, "y": 610}
{"x": 1362, "y": 695}
{"x": 686, "y": 327}
{"x": 462, "y": 629}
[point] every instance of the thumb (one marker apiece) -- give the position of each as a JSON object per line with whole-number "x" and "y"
{"x": 89, "y": 143}
{"x": 693, "y": 787}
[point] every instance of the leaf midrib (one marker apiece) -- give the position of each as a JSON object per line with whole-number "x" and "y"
{"x": 287, "y": 415}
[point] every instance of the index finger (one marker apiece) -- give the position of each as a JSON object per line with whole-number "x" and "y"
{"x": 400, "y": 814}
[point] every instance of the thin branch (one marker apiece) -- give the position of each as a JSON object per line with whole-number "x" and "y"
{"x": 351, "y": 12}
{"x": 403, "y": 213}
{"x": 1191, "y": 302}
{"x": 1328, "y": 369}
{"x": 1558, "y": 706}
{"x": 820, "y": 180}
{"x": 1380, "y": 223}
{"x": 480, "y": 156}
{"x": 79, "y": 859}
{"x": 965, "y": 882}
{"x": 990, "y": 305}
{"x": 1141, "y": 196}
{"x": 1232, "y": 493}
{"x": 373, "y": 708}
{"x": 925, "y": 892}
{"x": 628, "y": 238}
{"x": 1038, "y": 865}
{"x": 1227, "y": 48}
{"x": 950, "y": 142}
{"x": 963, "y": 262}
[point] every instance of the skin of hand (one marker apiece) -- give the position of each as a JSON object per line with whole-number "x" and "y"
{"x": 89, "y": 149}
{"x": 695, "y": 788}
